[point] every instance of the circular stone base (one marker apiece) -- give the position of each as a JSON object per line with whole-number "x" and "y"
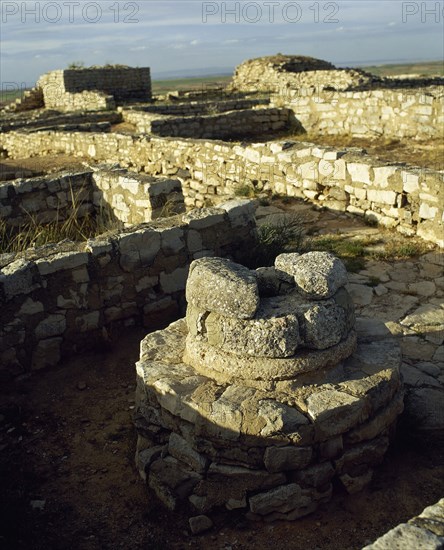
{"x": 272, "y": 452}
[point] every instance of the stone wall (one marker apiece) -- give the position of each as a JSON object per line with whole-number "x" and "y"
{"x": 65, "y": 121}
{"x": 63, "y": 299}
{"x": 406, "y": 198}
{"x": 137, "y": 198}
{"x": 127, "y": 197}
{"x": 423, "y": 531}
{"x": 94, "y": 88}
{"x": 200, "y": 107}
{"x": 282, "y": 72}
{"x": 417, "y": 113}
{"x": 45, "y": 199}
{"x": 231, "y": 124}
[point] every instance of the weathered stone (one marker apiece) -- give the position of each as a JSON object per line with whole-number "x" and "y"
{"x": 408, "y": 537}
{"x": 323, "y": 326}
{"x": 269, "y": 334}
{"x": 200, "y": 524}
{"x": 279, "y": 459}
{"x": 318, "y": 275}
{"x": 226, "y": 367}
{"x": 281, "y": 499}
{"x": 317, "y": 475}
{"x": 171, "y": 482}
{"x": 219, "y": 285}
{"x": 179, "y": 448}
{"x": 53, "y": 325}
{"x": 362, "y": 295}
{"x": 16, "y": 278}
{"x": 240, "y": 211}
{"x": 334, "y": 412}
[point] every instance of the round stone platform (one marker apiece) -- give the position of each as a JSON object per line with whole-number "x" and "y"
{"x": 268, "y": 426}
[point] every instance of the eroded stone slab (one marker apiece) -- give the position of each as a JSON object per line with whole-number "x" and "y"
{"x": 224, "y": 287}
{"x": 318, "y": 275}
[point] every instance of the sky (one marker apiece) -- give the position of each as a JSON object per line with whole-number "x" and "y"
{"x": 177, "y": 36}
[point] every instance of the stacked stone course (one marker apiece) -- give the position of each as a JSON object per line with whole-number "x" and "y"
{"x": 94, "y": 88}
{"x": 230, "y": 124}
{"x": 128, "y": 197}
{"x": 260, "y": 397}
{"x": 61, "y": 299}
{"x": 401, "y": 197}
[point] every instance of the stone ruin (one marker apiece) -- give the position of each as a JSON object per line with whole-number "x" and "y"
{"x": 267, "y": 392}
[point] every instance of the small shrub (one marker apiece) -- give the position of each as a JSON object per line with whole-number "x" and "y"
{"x": 283, "y": 234}
{"x": 244, "y": 191}
{"x": 76, "y": 65}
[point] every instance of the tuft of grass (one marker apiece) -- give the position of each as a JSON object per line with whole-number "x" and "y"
{"x": 74, "y": 228}
{"x": 395, "y": 250}
{"x": 244, "y": 190}
{"x": 351, "y": 252}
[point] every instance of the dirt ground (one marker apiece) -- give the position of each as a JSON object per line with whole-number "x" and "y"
{"x": 67, "y": 446}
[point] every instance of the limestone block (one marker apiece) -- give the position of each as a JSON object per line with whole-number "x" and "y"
{"x": 280, "y": 499}
{"x": 171, "y": 481}
{"x": 179, "y": 448}
{"x": 407, "y": 537}
{"x": 194, "y": 241}
{"x": 61, "y": 261}
{"x": 30, "y": 307}
{"x": 334, "y": 412}
{"x": 17, "y": 278}
{"x": 427, "y": 212}
{"x": 354, "y": 484}
{"x": 221, "y": 286}
{"x": 384, "y": 174}
{"x": 380, "y": 422}
{"x": 359, "y": 172}
{"x": 240, "y": 212}
{"x": 323, "y": 326}
{"x": 410, "y": 182}
{"x": 53, "y": 325}
{"x": 175, "y": 281}
{"x": 382, "y": 197}
{"x": 317, "y": 475}
{"x": 203, "y": 218}
{"x": 138, "y": 248}
{"x": 318, "y": 275}
{"x": 172, "y": 240}
{"x": 368, "y": 453}
{"x": 89, "y": 321}
{"x": 279, "y": 459}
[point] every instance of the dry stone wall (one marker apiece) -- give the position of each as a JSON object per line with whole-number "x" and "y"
{"x": 405, "y": 198}
{"x": 231, "y": 124}
{"x": 94, "y": 88}
{"x": 200, "y": 107}
{"x": 417, "y": 113}
{"x": 121, "y": 195}
{"x": 64, "y": 298}
{"x": 46, "y": 199}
